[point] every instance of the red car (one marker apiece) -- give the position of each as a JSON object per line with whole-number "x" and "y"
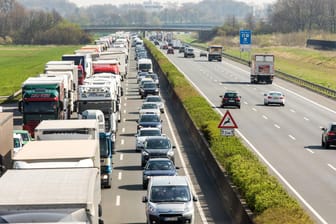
{"x": 170, "y": 50}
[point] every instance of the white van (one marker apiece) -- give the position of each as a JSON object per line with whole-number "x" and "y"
{"x": 145, "y": 65}
{"x": 169, "y": 199}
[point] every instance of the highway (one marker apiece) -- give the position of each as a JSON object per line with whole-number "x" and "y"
{"x": 287, "y": 139}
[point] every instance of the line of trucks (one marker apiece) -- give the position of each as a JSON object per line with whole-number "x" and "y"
{"x": 72, "y": 110}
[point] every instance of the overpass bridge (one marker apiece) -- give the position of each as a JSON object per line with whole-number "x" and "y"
{"x": 164, "y": 27}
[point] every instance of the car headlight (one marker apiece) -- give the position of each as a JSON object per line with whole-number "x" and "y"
{"x": 170, "y": 152}
{"x": 156, "y": 90}
{"x": 144, "y": 153}
{"x": 105, "y": 177}
{"x": 151, "y": 208}
{"x": 189, "y": 208}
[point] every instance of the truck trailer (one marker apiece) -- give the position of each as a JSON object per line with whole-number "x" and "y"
{"x": 262, "y": 68}
{"x": 6, "y": 140}
{"x": 51, "y": 196}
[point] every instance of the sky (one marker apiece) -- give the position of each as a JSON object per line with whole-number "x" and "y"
{"x": 84, "y": 3}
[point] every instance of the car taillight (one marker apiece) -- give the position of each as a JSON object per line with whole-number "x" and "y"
{"x": 331, "y": 134}
{"x": 225, "y": 99}
{"x": 269, "y": 97}
{"x": 281, "y": 97}
{"x": 238, "y": 99}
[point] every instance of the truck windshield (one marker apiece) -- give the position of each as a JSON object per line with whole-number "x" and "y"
{"x": 145, "y": 66}
{"x": 104, "y": 149}
{"x": 39, "y": 107}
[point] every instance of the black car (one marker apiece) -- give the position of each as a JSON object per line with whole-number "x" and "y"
{"x": 158, "y": 167}
{"x": 157, "y": 147}
{"x": 230, "y": 98}
{"x": 149, "y": 89}
{"x": 329, "y": 135}
{"x": 149, "y": 120}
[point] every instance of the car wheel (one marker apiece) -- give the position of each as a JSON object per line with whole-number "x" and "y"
{"x": 283, "y": 104}
{"x": 239, "y": 107}
{"x": 265, "y": 103}
{"x": 326, "y": 145}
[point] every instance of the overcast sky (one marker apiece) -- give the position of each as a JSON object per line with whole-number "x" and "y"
{"x": 116, "y": 2}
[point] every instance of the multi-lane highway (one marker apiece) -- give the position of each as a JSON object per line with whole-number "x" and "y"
{"x": 287, "y": 139}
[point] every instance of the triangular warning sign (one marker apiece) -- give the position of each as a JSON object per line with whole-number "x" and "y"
{"x": 227, "y": 121}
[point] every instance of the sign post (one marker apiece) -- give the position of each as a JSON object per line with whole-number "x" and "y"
{"x": 227, "y": 124}
{"x": 245, "y": 41}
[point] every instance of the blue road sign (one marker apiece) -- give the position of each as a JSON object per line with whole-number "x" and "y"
{"x": 245, "y": 37}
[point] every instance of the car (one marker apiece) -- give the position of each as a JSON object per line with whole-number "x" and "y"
{"x": 141, "y": 75}
{"x": 149, "y": 108}
{"x": 155, "y": 77}
{"x": 274, "y": 97}
{"x": 189, "y": 53}
{"x": 156, "y": 42}
{"x": 203, "y": 54}
{"x": 144, "y": 80}
{"x": 164, "y": 45}
{"x": 149, "y": 120}
{"x": 25, "y": 135}
{"x": 142, "y": 134}
{"x": 230, "y": 98}
{"x": 158, "y": 167}
{"x": 169, "y": 199}
{"x": 149, "y": 88}
{"x": 17, "y": 142}
{"x": 170, "y": 50}
{"x": 157, "y": 147}
{"x": 157, "y": 100}
{"x": 329, "y": 135}
{"x": 181, "y": 49}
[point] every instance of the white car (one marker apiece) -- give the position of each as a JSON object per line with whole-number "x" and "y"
{"x": 157, "y": 100}
{"x": 149, "y": 108}
{"x": 142, "y": 134}
{"x": 274, "y": 97}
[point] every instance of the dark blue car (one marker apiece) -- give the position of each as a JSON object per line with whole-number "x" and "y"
{"x": 149, "y": 121}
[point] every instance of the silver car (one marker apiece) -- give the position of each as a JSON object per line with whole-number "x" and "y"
{"x": 274, "y": 97}
{"x": 156, "y": 99}
{"x": 169, "y": 199}
{"x": 142, "y": 134}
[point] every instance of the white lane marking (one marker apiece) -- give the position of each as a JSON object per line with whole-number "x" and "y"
{"x": 215, "y": 80}
{"x": 124, "y": 120}
{"x": 318, "y": 216}
{"x": 266, "y": 118}
{"x": 331, "y": 166}
{"x": 118, "y": 200}
{"x": 125, "y": 97}
{"x": 121, "y": 157}
{"x": 291, "y": 110}
{"x": 198, "y": 204}
{"x": 307, "y": 119}
{"x": 311, "y": 151}
{"x": 254, "y": 109}
{"x": 125, "y": 104}
{"x": 124, "y": 111}
{"x": 123, "y": 130}
{"x": 119, "y": 176}
{"x": 122, "y": 141}
{"x": 292, "y": 137}
{"x": 245, "y": 102}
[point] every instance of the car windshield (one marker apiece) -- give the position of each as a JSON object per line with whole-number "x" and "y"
{"x": 149, "y": 106}
{"x": 160, "y": 165}
{"x": 153, "y": 99}
{"x": 24, "y": 136}
{"x": 158, "y": 144}
{"x": 275, "y": 94}
{"x": 170, "y": 194}
{"x": 149, "y": 85}
{"x": 149, "y": 118}
{"x": 230, "y": 95}
{"x": 150, "y": 133}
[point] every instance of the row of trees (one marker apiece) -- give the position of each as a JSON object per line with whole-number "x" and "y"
{"x": 19, "y": 25}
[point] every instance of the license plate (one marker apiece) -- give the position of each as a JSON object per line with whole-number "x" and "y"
{"x": 171, "y": 219}
{"x": 231, "y": 101}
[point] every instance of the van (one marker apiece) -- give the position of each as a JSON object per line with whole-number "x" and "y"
{"x": 145, "y": 65}
{"x": 169, "y": 199}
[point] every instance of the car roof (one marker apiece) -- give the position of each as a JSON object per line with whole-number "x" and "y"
{"x": 169, "y": 180}
{"x": 157, "y": 137}
{"x": 159, "y": 159}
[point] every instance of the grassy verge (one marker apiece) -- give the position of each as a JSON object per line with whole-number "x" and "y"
{"x": 20, "y": 62}
{"x": 264, "y": 194}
